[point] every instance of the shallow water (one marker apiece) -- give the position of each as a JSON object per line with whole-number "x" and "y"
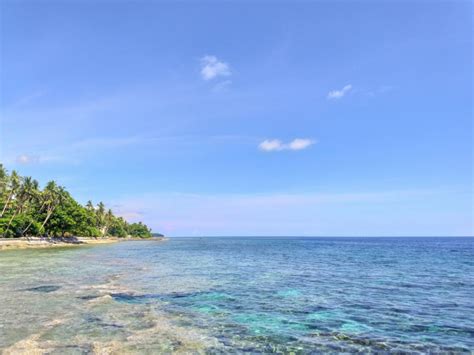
{"x": 241, "y": 294}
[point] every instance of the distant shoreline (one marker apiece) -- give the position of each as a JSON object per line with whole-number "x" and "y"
{"x": 39, "y": 242}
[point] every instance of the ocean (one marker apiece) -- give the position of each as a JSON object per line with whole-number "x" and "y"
{"x": 253, "y": 294}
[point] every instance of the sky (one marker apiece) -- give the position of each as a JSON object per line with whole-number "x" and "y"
{"x": 278, "y": 118}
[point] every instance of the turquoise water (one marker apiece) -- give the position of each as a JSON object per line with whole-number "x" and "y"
{"x": 255, "y": 295}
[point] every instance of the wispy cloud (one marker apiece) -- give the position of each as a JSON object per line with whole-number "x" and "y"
{"x": 73, "y": 152}
{"x": 106, "y": 142}
{"x": 379, "y": 90}
{"x": 211, "y": 68}
{"x": 26, "y": 100}
{"x": 275, "y": 145}
{"x": 338, "y": 94}
{"x": 131, "y": 216}
{"x": 26, "y": 159}
{"x": 222, "y": 86}
{"x": 79, "y": 151}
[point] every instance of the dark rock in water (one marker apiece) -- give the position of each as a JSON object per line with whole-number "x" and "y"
{"x": 92, "y": 319}
{"x": 88, "y": 297}
{"x": 145, "y": 298}
{"x": 132, "y": 298}
{"x": 124, "y": 297}
{"x": 98, "y": 321}
{"x": 44, "y": 289}
{"x": 181, "y": 294}
{"x": 111, "y": 325}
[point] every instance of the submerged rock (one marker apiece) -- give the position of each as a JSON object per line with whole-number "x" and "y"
{"x": 44, "y": 289}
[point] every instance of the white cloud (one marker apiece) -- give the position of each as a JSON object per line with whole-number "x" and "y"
{"x": 300, "y": 143}
{"x": 274, "y": 145}
{"x": 337, "y": 94}
{"x": 211, "y": 68}
{"x": 270, "y": 145}
{"x": 26, "y": 159}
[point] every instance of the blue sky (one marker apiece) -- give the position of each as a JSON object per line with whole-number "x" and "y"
{"x": 247, "y": 118}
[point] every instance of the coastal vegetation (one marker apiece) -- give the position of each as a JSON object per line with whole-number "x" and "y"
{"x": 27, "y": 210}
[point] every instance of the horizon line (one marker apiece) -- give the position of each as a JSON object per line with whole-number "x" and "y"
{"x": 319, "y": 236}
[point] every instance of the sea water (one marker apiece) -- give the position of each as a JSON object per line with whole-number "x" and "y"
{"x": 259, "y": 295}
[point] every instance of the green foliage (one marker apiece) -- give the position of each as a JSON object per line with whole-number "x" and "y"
{"x": 26, "y": 210}
{"x": 119, "y": 228}
{"x": 139, "y": 230}
{"x": 20, "y": 222}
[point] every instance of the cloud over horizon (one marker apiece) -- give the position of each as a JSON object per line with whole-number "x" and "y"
{"x": 274, "y": 145}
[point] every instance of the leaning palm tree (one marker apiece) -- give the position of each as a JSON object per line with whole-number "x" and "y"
{"x": 24, "y": 193}
{"x": 51, "y": 192}
{"x": 13, "y": 184}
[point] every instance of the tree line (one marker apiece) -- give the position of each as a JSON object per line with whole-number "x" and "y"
{"x": 27, "y": 210}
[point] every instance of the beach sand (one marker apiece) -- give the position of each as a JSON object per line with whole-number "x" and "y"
{"x": 37, "y": 242}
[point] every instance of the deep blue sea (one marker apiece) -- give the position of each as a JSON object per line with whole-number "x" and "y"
{"x": 259, "y": 295}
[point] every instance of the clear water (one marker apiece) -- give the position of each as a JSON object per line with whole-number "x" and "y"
{"x": 224, "y": 295}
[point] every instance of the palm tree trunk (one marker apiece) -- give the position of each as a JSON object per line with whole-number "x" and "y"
{"x": 6, "y": 205}
{"x": 29, "y": 225}
{"x": 48, "y": 215}
{"x": 10, "y": 222}
{"x": 13, "y": 216}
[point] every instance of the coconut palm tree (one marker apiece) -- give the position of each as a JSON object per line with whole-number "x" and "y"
{"x": 13, "y": 184}
{"x": 109, "y": 219}
{"x": 101, "y": 218}
{"x": 50, "y": 195}
{"x": 3, "y": 180}
{"x": 90, "y": 206}
{"x": 24, "y": 192}
{"x": 35, "y": 198}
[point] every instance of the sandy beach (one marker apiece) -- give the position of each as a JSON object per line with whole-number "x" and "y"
{"x": 37, "y": 242}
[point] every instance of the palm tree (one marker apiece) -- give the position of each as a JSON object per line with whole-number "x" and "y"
{"x": 101, "y": 221}
{"x": 50, "y": 195}
{"x": 90, "y": 206}
{"x": 24, "y": 194}
{"x": 13, "y": 184}
{"x": 35, "y": 198}
{"x": 109, "y": 218}
{"x": 3, "y": 179}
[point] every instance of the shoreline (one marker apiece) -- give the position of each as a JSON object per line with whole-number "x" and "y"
{"x": 40, "y": 242}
